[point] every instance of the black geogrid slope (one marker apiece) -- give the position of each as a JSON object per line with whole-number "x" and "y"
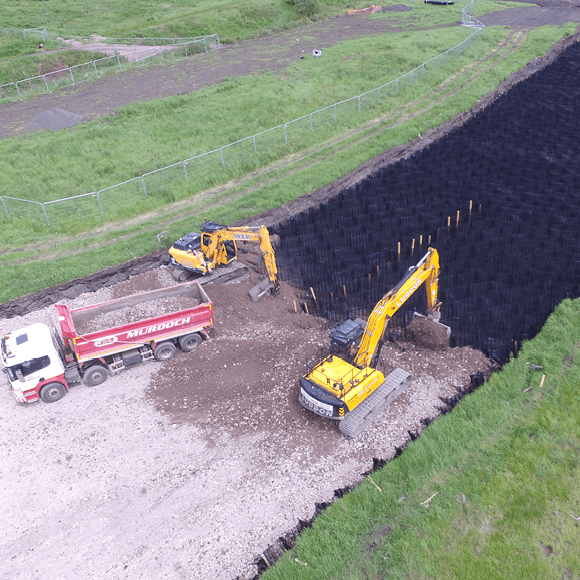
{"x": 505, "y": 267}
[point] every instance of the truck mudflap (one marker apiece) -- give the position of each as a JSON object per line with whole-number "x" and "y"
{"x": 355, "y": 422}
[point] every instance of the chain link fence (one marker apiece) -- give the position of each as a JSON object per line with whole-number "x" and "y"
{"x": 167, "y": 184}
{"x": 93, "y": 69}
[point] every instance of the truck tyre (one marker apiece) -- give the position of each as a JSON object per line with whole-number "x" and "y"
{"x": 96, "y": 375}
{"x": 190, "y": 341}
{"x": 52, "y": 392}
{"x": 164, "y": 351}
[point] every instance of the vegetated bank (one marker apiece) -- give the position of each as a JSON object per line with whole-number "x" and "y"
{"x": 78, "y": 256}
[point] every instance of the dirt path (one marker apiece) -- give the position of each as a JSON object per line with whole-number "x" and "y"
{"x": 270, "y": 53}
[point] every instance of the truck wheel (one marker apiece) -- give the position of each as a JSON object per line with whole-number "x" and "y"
{"x": 52, "y": 392}
{"x": 190, "y": 342}
{"x": 164, "y": 351}
{"x": 96, "y": 375}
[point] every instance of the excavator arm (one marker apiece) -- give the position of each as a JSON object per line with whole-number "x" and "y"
{"x": 249, "y": 234}
{"x": 426, "y": 271}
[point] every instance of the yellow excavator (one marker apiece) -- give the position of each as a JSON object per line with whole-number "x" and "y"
{"x": 215, "y": 247}
{"x": 355, "y": 393}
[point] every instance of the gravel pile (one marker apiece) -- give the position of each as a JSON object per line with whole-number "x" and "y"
{"x": 55, "y": 119}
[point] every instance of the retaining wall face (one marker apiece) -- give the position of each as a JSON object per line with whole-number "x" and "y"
{"x": 505, "y": 267}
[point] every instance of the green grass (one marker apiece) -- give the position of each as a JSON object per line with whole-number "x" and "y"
{"x": 120, "y": 243}
{"x": 505, "y": 467}
{"x": 17, "y": 69}
{"x": 233, "y": 21}
{"x": 112, "y": 149}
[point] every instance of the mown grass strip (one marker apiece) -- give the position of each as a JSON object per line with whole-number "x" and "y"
{"x": 505, "y": 467}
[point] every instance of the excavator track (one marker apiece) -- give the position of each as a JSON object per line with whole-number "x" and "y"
{"x": 219, "y": 275}
{"x": 364, "y": 414}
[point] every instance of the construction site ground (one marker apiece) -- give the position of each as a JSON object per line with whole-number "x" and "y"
{"x": 193, "y": 467}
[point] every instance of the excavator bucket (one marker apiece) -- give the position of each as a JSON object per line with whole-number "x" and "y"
{"x": 430, "y": 331}
{"x": 260, "y": 289}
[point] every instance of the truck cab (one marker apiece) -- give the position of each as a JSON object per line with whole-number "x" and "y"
{"x": 33, "y": 359}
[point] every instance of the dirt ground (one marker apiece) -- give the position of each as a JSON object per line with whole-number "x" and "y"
{"x": 193, "y": 467}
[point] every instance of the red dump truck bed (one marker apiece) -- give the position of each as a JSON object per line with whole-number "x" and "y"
{"x": 118, "y": 325}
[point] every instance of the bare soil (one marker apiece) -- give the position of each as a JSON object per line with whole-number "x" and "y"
{"x": 193, "y": 467}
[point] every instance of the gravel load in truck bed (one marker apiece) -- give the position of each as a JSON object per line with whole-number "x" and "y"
{"x": 129, "y": 314}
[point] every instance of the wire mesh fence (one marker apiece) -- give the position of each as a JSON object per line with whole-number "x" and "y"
{"x": 160, "y": 186}
{"x": 93, "y": 69}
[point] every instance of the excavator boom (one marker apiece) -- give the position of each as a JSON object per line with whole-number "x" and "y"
{"x": 356, "y": 394}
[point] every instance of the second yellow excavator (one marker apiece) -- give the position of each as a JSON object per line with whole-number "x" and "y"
{"x": 356, "y": 393}
{"x": 201, "y": 253}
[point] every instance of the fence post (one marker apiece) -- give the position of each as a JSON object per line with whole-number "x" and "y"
{"x": 379, "y": 97}
{"x": 311, "y": 127}
{"x": 359, "y": 103}
{"x": 254, "y": 142}
{"x": 4, "y": 205}
{"x": 144, "y": 186}
{"x": 99, "y": 200}
{"x": 222, "y": 156}
{"x": 185, "y": 171}
{"x": 285, "y": 136}
{"x": 45, "y": 214}
{"x": 205, "y": 44}
{"x": 71, "y": 76}
{"x": 334, "y": 107}
{"x": 119, "y": 62}
{"x": 45, "y": 84}
{"x": 16, "y": 84}
{"x": 186, "y": 49}
{"x": 96, "y": 71}
{"x": 397, "y": 87}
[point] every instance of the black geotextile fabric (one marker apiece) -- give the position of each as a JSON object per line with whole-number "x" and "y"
{"x": 506, "y": 266}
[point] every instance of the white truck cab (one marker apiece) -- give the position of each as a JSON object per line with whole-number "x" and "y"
{"x": 33, "y": 362}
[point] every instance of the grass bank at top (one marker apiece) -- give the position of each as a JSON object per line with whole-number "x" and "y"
{"x": 502, "y": 471}
{"x": 231, "y": 19}
{"x": 146, "y": 136}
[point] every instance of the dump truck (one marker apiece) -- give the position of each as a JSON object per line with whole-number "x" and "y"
{"x": 213, "y": 254}
{"x": 103, "y": 339}
{"x": 349, "y": 388}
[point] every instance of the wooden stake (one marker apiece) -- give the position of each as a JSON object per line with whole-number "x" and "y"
{"x": 429, "y": 242}
{"x": 344, "y": 289}
{"x": 470, "y": 206}
{"x": 369, "y": 279}
{"x": 421, "y": 240}
{"x": 295, "y": 309}
{"x": 266, "y": 560}
{"x": 378, "y": 270}
{"x": 306, "y": 306}
{"x": 312, "y": 292}
{"x": 542, "y": 383}
{"x": 457, "y": 218}
{"x": 448, "y": 221}
{"x": 399, "y": 250}
{"x": 413, "y": 246}
{"x": 371, "y": 480}
{"x": 426, "y": 502}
